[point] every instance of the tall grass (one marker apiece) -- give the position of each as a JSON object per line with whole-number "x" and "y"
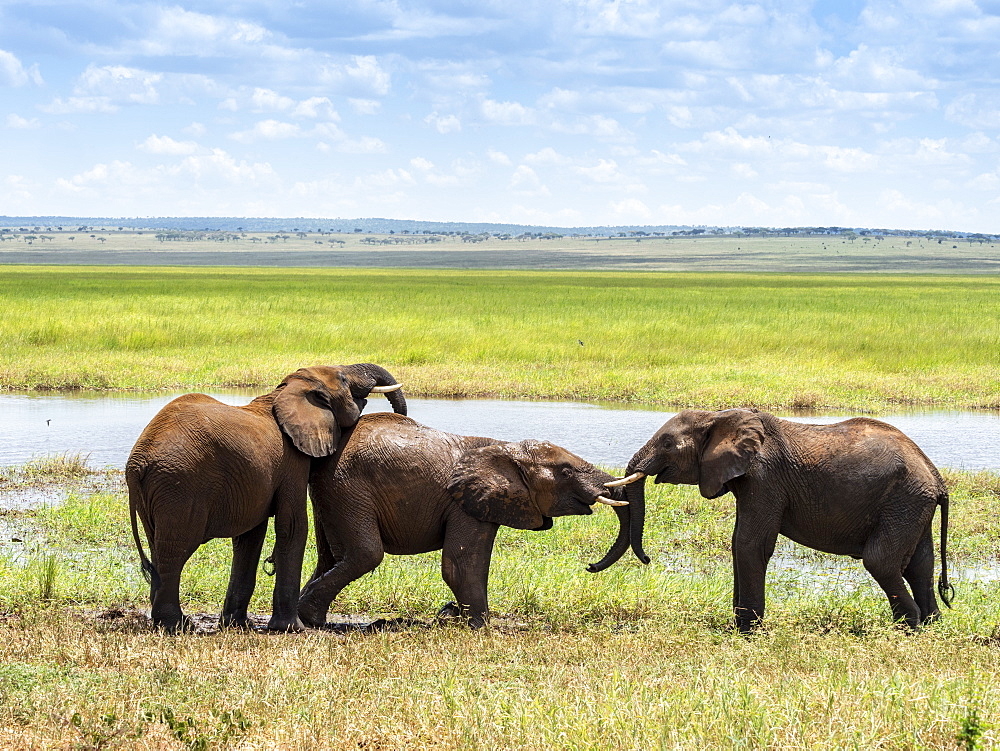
{"x": 679, "y": 339}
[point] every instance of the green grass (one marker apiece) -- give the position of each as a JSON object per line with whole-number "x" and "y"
{"x": 769, "y": 340}
{"x": 634, "y": 657}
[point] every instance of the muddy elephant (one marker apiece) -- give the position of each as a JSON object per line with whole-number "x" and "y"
{"x": 859, "y": 488}
{"x": 398, "y": 487}
{"x": 202, "y": 469}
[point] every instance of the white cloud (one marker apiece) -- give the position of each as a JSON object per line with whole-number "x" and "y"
{"x": 976, "y": 110}
{"x": 268, "y": 130}
{"x": 265, "y": 100}
{"x": 79, "y": 105}
{"x": 13, "y": 72}
{"x": 498, "y": 157}
{"x": 364, "y": 106}
{"x": 444, "y": 124}
{"x": 316, "y": 108}
{"x": 165, "y": 145}
{"x": 526, "y": 181}
{"x": 548, "y": 155}
{"x": 119, "y": 83}
{"x": 22, "y": 123}
{"x": 506, "y": 113}
{"x": 176, "y": 31}
{"x": 364, "y": 75}
{"x": 631, "y": 210}
{"x": 605, "y": 171}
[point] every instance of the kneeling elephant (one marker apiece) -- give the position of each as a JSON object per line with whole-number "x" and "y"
{"x": 398, "y": 487}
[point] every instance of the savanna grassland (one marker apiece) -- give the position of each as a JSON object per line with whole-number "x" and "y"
{"x": 846, "y": 341}
{"x": 635, "y": 657}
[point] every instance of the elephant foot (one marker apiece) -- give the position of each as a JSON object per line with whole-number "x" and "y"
{"x": 239, "y": 623}
{"x": 748, "y": 621}
{"x": 293, "y": 625}
{"x": 170, "y": 620}
{"x": 180, "y": 625}
{"x": 312, "y": 616}
{"x": 451, "y": 610}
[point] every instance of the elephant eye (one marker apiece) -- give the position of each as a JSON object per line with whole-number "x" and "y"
{"x": 566, "y": 471}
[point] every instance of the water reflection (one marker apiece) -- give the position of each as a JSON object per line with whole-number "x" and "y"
{"x": 106, "y": 425}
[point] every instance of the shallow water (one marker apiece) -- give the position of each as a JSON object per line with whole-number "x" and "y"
{"x": 104, "y": 426}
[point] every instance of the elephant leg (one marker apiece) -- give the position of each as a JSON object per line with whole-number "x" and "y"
{"x": 243, "y": 576}
{"x": 919, "y": 574}
{"x": 885, "y": 565}
{"x": 291, "y": 527}
{"x": 465, "y": 567}
{"x": 753, "y": 546}
{"x": 326, "y": 555}
{"x": 169, "y": 557}
{"x": 361, "y": 555}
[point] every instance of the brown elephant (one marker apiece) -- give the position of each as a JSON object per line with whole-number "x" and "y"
{"x": 202, "y": 469}
{"x": 398, "y": 487}
{"x": 859, "y": 488}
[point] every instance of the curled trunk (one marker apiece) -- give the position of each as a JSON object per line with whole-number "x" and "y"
{"x": 631, "y": 519}
{"x": 366, "y": 376}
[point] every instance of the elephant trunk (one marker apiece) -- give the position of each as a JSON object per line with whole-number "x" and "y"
{"x": 366, "y": 376}
{"x": 636, "y": 494}
{"x": 631, "y": 519}
{"x": 620, "y": 545}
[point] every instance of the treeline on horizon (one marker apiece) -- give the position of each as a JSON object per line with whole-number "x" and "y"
{"x": 405, "y": 226}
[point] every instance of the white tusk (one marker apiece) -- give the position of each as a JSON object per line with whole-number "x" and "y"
{"x": 610, "y": 502}
{"x": 625, "y": 480}
{"x": 386, "y": 389}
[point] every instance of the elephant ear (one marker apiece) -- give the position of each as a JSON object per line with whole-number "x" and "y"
{"x": 489, "y": 484}
{"x": 733, "y": 441}
{"x": 303, "y": 409}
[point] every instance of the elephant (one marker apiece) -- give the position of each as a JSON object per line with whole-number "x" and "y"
{"x": 202, "y": 469}
{"x": 858, "y": 487}
{"x": 398, "y": 487}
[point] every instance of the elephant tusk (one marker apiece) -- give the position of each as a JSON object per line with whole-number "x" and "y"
{"x": 610, "y": 502}
{"x": 625, "y": 480}
{"x": 385, "y": 389}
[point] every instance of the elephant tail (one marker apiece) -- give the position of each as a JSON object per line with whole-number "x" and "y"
{"x": 149, "y": 572}
{"x": 945, "y": 589}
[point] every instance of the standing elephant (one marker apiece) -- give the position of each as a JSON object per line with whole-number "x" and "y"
{"x": 859, "y": 488}
{"x": 203, "y": 469}
{"x": 398, "y": 487}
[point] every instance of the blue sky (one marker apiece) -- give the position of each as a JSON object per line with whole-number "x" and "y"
{"x": 571, "y": 113}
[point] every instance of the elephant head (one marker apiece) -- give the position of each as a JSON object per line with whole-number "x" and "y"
{"x": 312, "y": 405}
{"x": 524, "y": 484}
{"x": 694, "y": 447}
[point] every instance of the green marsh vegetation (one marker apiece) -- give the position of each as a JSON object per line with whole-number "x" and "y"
{"x": 777, "y": 341}
{"x": 634, "y": 657}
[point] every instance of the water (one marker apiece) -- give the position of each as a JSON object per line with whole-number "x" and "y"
{"x": 105, "y": 426}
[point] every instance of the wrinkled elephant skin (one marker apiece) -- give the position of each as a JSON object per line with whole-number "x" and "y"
{"x": 398, "y": 487}
{"x": 859, "y": 488}
{"x": 202, "y": 469}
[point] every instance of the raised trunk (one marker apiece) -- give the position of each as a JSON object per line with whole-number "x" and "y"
{"x": 366, "y": 376}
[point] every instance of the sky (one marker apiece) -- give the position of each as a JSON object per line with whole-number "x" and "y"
{"x": 563, "y": 113}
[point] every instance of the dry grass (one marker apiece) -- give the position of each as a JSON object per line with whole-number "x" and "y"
{"x": 634, "y": 657}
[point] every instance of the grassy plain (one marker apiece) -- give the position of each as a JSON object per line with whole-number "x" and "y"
{"x": 634, "y": 657}
{"x": 851, "y": 341}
